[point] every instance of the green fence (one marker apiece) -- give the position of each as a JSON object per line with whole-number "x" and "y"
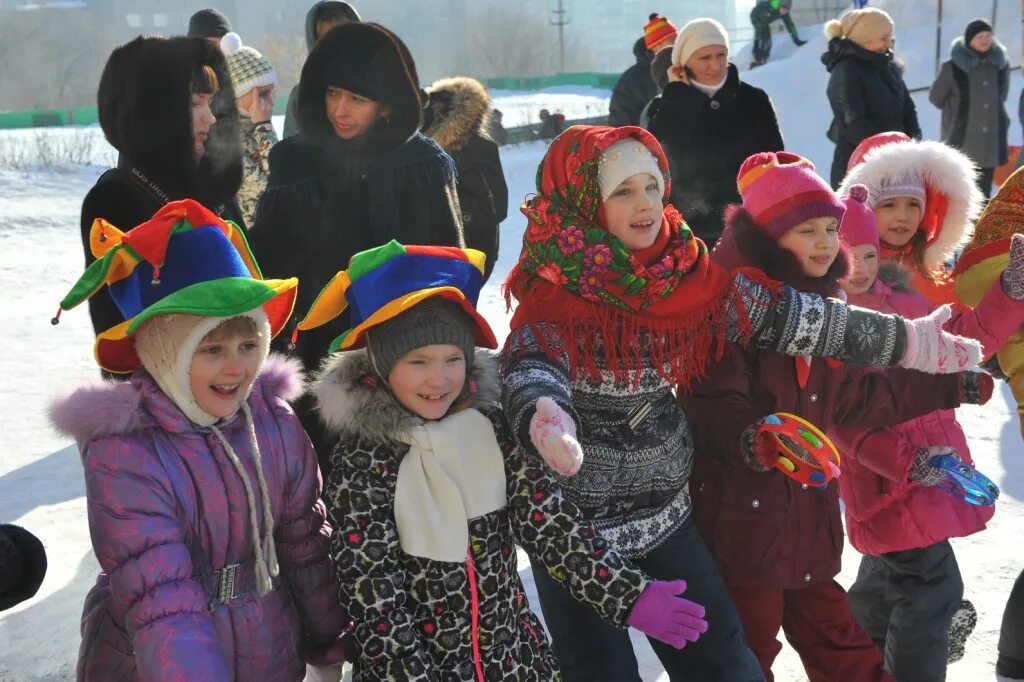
{"x": 605, "y": 81}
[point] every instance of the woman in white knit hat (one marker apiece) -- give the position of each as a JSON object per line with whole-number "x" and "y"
{"x": 709, "y": 121}
{"x": 865, "y": 86}
{"x": 253, "y": 78}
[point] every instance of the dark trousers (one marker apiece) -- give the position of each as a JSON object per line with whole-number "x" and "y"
{"x": 905, "y": 600}
{"x": 762, "y": 42}
{"x": 985, "y": 176}
{"x": 818, "y": 624}
{"x": 591, "y": 650}
{"x": 1011, "y": 634}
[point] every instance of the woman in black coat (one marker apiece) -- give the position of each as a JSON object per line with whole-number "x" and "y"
{"x": 357, "y": 175}
{"x": 166, "y": 105}
{"x": 458, "y": 119}
{"x": 865, "y": 86}
{"x": 709, "y": 122}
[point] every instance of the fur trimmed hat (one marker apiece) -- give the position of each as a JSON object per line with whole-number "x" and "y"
{"x": 248, "y": 68}
{"x": 952, "y": 198}
{"x": 782, "y": 189}
{"x": 698, "y": 33}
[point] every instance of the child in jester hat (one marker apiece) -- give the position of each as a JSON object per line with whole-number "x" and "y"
{"x": 202, "y": 487}
{"x": 618, "y": 305}
{"x": 429, "y": 497}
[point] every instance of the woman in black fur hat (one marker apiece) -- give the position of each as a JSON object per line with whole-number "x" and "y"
{"x": 175, "y": 140}
{"x": 357, "y": 175}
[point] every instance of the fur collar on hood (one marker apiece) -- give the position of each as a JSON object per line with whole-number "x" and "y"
{"x": 145, "y": 111}
{"x": 966, "y": 58}
{"x": 461, "y": 109}
{"x": 110, "y": 408}
{"x": 895, "y": 276}
{"x": 348, "y": 404}
{"x": 945, "y": 170}
{"x": 744, "y": 244}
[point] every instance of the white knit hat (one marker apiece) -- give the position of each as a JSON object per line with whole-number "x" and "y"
{"x": 247, "y": 66}
{"x": 696, "y": 34}
{"x": 623, "y": 160}
{"x": 166, "y": 344}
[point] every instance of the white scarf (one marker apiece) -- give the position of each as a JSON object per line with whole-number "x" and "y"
{"x": 710, "y": 90}
{"x": 454, "y": 471}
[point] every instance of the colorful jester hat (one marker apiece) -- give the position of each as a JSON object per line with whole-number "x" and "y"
{"x": 384, "y": 282}
{"x": 184, "y": 259}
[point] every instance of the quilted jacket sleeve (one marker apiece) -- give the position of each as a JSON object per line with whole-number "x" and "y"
{"x": 886, "y": 452}
{"x": 303, "y": 536}
{"x": 140, "y": 544}
{"x": 992, "y": 323}
{"x": 868, "y": 398}
{"x": 551, "y": 528}
{"x": 365, "y": 549}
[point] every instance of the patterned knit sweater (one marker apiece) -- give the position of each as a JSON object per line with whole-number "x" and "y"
{"x": 637, "y": 445}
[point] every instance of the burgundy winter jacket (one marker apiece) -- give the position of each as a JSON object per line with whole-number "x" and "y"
{"x": 885, "y": 511}
{"x": 765, "y": 529}
{"x": 166, "y": 506}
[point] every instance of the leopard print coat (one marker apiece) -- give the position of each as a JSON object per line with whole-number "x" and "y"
{"x": 414, "y": 616}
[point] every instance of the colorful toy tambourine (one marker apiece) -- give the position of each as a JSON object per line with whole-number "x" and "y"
{"x": 966, "y": 482}
{"x": 810, "y": 457}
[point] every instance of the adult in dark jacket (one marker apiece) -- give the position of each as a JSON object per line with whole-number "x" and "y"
{"x": 175, "y": 140}
{"x": 971, "y": 90}
{"x": 458, "y": 119}
{"x": 358, "y": 175}
{"x": 634, "y": 89}
{"x": 22, "y": 565}
{"x": 709, "y": 122}
{"x": 865, "y": 87}
{"x": 321, "y": 17}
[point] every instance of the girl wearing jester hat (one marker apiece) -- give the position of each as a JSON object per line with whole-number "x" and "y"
{"x": 429, "y": 496}
{"x": 619, "y": 304}
{"x": 202, "y": 488}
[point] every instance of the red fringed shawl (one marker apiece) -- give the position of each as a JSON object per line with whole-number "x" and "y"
{"x": 593, "y": 296}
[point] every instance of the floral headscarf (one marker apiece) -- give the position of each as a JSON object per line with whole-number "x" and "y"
{"x": 576, "y": 282}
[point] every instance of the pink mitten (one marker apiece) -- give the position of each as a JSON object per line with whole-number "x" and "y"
{"x": 660, "y": 614}
{"x": 553, "y": 433}
{"x": 933, "y": 350}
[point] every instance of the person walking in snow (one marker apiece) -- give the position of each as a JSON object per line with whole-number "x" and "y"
{"x": 358, "y": 174}
{"x": 253, "y": 79}
{"x": 971, "y": 91}
{"x": 908, "y": 587}
{"x": 174, "y": 138}
{"x": 321, "y": 17}
{"x": 636, "y": 86}
{"x": 865, "y": 87}
{"x": 429, "y": 496}
{"x": 777, "y": 541}
{"x": 201, "y": 486}
{"x": 619, "y": 306}
{"x": 457, "y": 117}
{"x": 709, "y": 121}
{"x": 762, "y": 16}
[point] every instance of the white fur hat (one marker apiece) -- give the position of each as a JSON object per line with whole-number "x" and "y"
{"x": 696, "y": 34}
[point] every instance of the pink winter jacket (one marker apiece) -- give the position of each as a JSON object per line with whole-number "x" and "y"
{"x": 885, "y": 511}
{"x": 166, "y": 507}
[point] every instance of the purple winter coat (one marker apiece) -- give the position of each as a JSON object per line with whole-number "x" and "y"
{"x": 147, "y": 617}
{"x": 765, "y": 529}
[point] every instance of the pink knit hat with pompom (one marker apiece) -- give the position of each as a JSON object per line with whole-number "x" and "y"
{"x": 858, "y": 225}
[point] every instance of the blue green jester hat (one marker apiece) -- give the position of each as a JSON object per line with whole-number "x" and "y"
{"x": 185, "y": 259}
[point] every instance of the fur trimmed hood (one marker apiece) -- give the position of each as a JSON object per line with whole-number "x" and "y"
{"x": 947, "y": 173}
{"x": 109, "y": 408}
{"x": 966, "y": 59}
{"x": 744, "y": 244}
{"x": 459, "y": 109}
{"x": 348, "y": 404}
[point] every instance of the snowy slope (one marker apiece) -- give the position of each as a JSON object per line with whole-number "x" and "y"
{"x": 40, "y": 256}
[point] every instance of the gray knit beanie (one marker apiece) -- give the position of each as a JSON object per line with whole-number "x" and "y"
{"x": 434, "y": 321}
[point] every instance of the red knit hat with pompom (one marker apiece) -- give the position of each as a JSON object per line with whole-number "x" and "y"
{"x": 858, "y": 225}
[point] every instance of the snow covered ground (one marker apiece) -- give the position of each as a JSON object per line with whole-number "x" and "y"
{"x": 40, "y": 257}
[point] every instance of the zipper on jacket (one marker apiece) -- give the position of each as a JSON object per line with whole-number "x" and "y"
{"x": 490, "y": 194}
{"x": 474, "y": 633}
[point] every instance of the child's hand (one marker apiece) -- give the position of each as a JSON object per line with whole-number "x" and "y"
{"x": 933, "y": 350}
{"x": 660, "y": 614}
{"x": 1013, "y": 275}
{"x": 923, "y": 472}
{"x": 976, "y": 388}
{"x": 553, "y": 433}
{"x": 759, "y": 448}
{"x": 677, "y": 73}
